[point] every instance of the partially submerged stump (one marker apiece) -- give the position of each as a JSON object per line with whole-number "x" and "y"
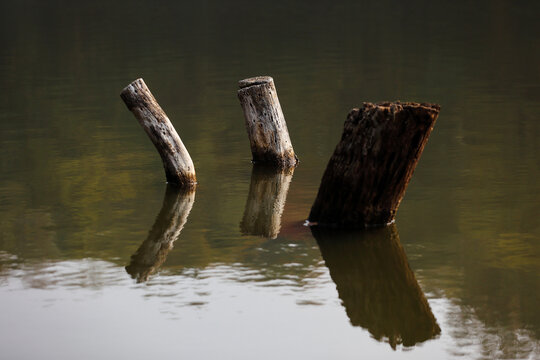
{"x": 170, "y": 221}
{"x": 179, "y": 169}
{"x": 368, "y": 173}
{"x": 265, "y": 123}
{"x": 266, "y": 201}
{"x": 376, "y": 284}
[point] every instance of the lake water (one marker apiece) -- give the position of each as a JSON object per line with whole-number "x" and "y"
{"x": 83, "y": 193}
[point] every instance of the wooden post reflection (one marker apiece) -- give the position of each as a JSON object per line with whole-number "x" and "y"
{"x": 266, "y": 201}
{"x": 376, "y": 284}
{"x": 170, "y": 221}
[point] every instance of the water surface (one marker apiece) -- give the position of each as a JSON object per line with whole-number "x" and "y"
{"x": 99, "y": 259}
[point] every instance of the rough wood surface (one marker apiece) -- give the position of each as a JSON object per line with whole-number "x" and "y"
{"x": 265, "y": 123}
{"x": 376, "y": 284}
{"x": 368, "y": 173}
{"x": 266, "y": 201}
{"x": 170, "y": 221}
{"x": 178, "y": 165}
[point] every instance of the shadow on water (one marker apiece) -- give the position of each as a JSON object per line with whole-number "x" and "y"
{"x": 170, "y": 221}
{"x": 266, "y": 200}
{"x": 376, "y": 284}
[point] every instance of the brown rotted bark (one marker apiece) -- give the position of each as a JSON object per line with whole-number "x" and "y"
{"x": 265, "y": 123}
{"x": 179, "y": 169}
{"x": 368, "y": 173}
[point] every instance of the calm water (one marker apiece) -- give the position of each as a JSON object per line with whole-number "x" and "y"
{"x": 86, "y": 271}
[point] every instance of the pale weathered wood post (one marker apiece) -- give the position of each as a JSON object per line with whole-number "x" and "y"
{"x": 179, "y": 169}
{"x": 265, "y": 123}
{"x": 266, "y": 201}
{"x": 170, "y": 221}
{"x": 368, "y": 173}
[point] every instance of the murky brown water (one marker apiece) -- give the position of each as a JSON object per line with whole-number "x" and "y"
{"x": 82, "y": 192}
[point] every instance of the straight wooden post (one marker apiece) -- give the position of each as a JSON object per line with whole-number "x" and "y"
{"x": 265, "y": 123}
{"x": 179, "y": 169}
{"x": 368, "y": 173}
{"x": 266, "y": 201}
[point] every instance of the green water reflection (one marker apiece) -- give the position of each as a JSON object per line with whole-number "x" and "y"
{"x": 169, "y": 223}
{"x": 79, "y": 179}
{"x": 376, "y": 284}
{"x": 266, "y": 200}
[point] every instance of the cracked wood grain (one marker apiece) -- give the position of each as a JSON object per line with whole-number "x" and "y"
{"x": 372, "y": 164}
{"x": 179, "y": 169}
{"x": 265, "y": 123}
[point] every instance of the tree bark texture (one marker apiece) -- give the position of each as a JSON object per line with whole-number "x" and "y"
{"x": 170, "y": 221}
{"x": 265, "y": 123}
{"x": 368, "y": 173}
{"x": 179, "y": 169}
{"x": 376, "y": 284}
{"x": 266, "y": 201}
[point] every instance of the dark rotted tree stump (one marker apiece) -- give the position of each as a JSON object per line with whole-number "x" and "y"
{"x": 376, "y": 284}
{"x": 368, "y": 173}
{"x": 266, "y": 201}
{"x": 170, "y": 221}
{"x": 179, "y": 169}
{"x": 265, "y": 123}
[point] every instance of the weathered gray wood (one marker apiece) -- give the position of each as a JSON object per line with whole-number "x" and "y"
{"x": 170, "y": 221}
{"x": 368, "y": 173}
{"x": 265, "y": 123}
{"x": 178, "y": 165}
{"x": 376, "y": 284}
{"x": 266, "y": 201}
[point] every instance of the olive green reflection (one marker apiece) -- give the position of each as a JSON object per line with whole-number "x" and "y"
{"x": 266, "y": 200}
{"x": 170, "y": 221}
{"x": 376, "y": 284}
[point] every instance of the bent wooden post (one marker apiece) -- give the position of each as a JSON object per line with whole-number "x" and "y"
{"x": 376, "y": 285}
{"x": 368, "y": 173}
{"x": 265, "y": 123}
{"x": 170, "y": 221}
{"x": 179, "y": 169}
{"x": 266, "y": 201}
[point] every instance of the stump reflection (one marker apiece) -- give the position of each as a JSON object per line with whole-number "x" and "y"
{"x": 376, "y": 284}
{"x": 170, "y": 221}
{"x": 266, "y": 201}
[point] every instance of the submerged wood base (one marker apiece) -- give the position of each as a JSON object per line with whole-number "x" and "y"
{"x": 372, "y": 164}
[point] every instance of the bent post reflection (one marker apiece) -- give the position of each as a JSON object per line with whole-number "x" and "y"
{"x": 376, "y": 284}
{"x": 266, "y": 201}
{"x": 170, "y": 221}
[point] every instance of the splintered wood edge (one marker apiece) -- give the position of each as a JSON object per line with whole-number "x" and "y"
{"x": 257, "y": 80}
{"x": 399, "y": 104}
{"x": 139, "y": 82}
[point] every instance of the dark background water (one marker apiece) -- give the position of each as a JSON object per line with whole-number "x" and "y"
{"x": 81, "y": 186}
